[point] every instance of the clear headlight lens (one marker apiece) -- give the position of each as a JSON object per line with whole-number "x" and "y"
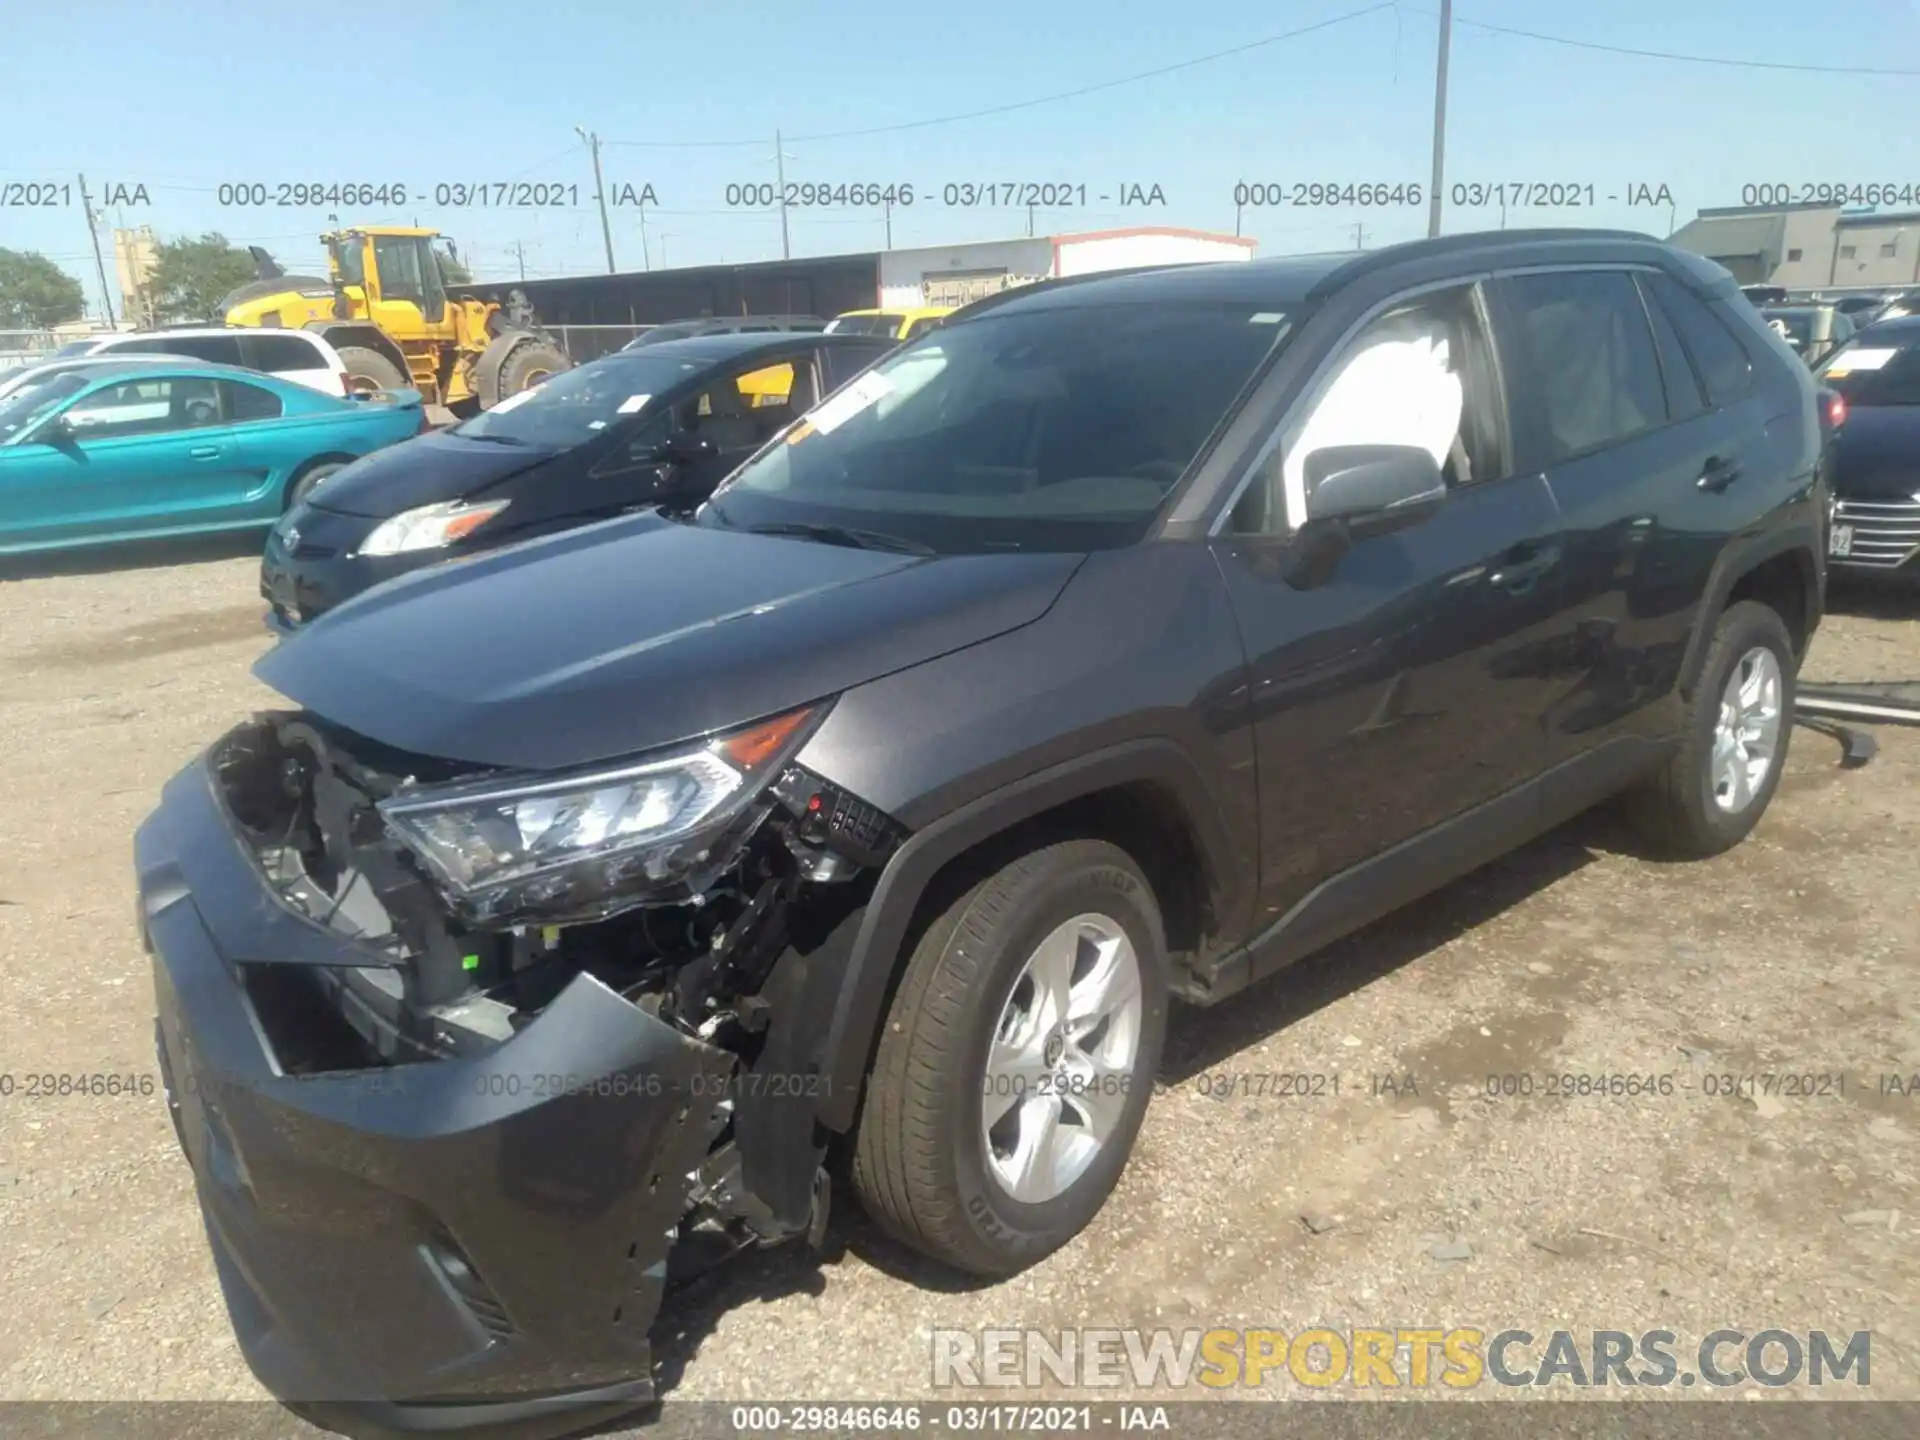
{"x": 430, "y": 527}
{"x": 587, "y": 839}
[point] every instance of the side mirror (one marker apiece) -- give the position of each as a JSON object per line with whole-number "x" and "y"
{"x": 1356, "y": 492}
{"x": 54, "y": 430}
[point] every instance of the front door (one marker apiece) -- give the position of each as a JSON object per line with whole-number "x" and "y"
{"x": 1405, "y": 689}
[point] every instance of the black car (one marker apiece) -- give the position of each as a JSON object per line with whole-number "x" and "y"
{"x": 631, "y": 429}
{"x": 1876, "y": 455}
{"x": 724, "y": 325}
{"x": 1124, "y": 640}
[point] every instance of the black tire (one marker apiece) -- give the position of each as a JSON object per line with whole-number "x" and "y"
{"x": 369, "y": 370}
{"x": 919, "y": 1162}
{"x": 304, "y": 482}
{"x": 528, "y": 365}
{"x": 1675, "y": 808}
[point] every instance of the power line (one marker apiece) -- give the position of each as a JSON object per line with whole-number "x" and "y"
{"x": 1722, "y": 60}
{"x": 1018, "y": 104}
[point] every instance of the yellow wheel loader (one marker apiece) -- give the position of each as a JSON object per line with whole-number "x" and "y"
{"x": 386, "y": 308}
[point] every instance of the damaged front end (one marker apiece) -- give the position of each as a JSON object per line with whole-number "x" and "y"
{"x": 547, "y": 1044}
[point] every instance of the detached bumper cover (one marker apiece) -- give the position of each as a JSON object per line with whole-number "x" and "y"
{"x": 438, "y": 1245}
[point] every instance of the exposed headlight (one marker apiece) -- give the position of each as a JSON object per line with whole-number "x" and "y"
{"x": 593, "y": 841}
{"x": 430, "y": 527}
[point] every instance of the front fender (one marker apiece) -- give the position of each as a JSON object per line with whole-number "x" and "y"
{"x": 882, "y": 931}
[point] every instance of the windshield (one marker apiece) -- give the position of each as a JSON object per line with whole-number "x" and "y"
{"x": 576, "y": 405}
{"x": 41, "y": 394}
{"x": 864, "y": 324}
{"x": 68, "y": 351}
{"x": 1870, "y": 372}
{"x": 1058, "y": 429}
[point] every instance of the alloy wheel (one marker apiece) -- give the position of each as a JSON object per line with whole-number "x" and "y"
{"x": 1746, "y": 738}
{"x": 1061, "y": 1061}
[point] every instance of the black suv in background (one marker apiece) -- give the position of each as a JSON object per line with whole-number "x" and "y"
{"x": 1123, "y": 640}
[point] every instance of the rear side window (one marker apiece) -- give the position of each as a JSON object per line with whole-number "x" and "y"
{"x": 1586, "y": 358}
{"x": 249, "y": 402}
{"x": 278, "y": 354}
{"x": 1685, "y": 398}
{"x": 1717, "y": 353}
{"x": 214, "y": 349}
{"x": 140, "y": 347}
{"x": 843, "y": 362}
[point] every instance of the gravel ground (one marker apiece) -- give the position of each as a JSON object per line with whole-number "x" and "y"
{"x": 1794, "y": 954}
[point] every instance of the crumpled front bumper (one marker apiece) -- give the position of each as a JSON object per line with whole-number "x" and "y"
{"x": 443, "y": 1245}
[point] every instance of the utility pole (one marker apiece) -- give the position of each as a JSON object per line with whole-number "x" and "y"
{"x": 1440, "y": 120}
{"x": 99, "y": 265}
{"x": 520, "y": 254}
{"x": 646, "y": 258}
{"x": 1359, "y": 238}
{"x": 1029, "y": 221}
{"x": 889, "y": 205}
{"x": 780, "y": 183}
{"x": 599, "y": 191}
{"x": 1238, "y": 207}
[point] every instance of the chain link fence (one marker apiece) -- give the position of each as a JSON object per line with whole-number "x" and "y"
{"x": 589, "y": 342}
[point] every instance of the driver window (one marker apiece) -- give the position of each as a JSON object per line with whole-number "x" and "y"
{"x": 1419, "y": 375}
{"x": 146, "y": 407}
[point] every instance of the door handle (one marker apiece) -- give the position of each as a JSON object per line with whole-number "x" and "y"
{"x": 1523, "y": 565}
{"x": 1718, "y": 474}
{"x": 204, "y": 452}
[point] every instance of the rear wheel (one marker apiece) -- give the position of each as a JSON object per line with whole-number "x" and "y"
{"x": 1713, "y": 790}
{"x": 1017, "y": 1060}
{"x": 304, "y": 482}
{"x": 369, "y": 371}
{"x": 528, "y": 365}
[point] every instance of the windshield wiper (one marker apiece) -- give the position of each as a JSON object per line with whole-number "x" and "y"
{"x": 846, "y": 535}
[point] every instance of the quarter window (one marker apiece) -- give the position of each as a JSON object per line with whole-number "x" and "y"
{"x": 249, "y": 402}
{"x": 1720, "y": 358}
{"x": 1582, "y": 342}
{"x": 280, "y": 354}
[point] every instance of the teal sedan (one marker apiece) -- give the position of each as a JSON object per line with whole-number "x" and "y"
{"x": 139, "y": 448}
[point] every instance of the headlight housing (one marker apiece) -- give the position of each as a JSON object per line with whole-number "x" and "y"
{"x": 430, "y": 527}
{"x": 594, "y": 842}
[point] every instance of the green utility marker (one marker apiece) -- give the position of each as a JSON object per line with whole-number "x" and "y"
{"x": 469, "y": 962}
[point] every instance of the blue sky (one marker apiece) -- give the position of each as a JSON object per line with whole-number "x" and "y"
{"x": 432, "y": 92}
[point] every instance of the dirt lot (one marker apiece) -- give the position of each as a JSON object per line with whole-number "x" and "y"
{"x": 1796, "y": 954}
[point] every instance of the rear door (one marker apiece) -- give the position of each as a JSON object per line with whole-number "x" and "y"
{"x": 1610, "y": 408}
{"x": 1404, "y": 691}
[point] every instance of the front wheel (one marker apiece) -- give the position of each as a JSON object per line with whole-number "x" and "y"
{"x": 1733, "y": 743}
{"x": 1017, "y": 1060}
{"x": 530, "y": 364}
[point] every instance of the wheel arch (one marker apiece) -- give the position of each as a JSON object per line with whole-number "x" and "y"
{"x": 307, "y": 467}
{"x": 367, "y": 337}
{"x": 1781, "y": 573}
{"x": 1147, "y": 796}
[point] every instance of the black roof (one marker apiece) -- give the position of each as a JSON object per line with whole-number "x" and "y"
{"x": 729, "y": 345}
{"x": 1293, "y": 279}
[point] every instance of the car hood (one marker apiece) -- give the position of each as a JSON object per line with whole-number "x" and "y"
{"x": 1877, "y": 453}
{"x": 620, "y": 637}
{"x": 421, "y": 471}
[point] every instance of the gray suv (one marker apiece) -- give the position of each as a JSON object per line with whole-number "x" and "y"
{"x": 595, "y": 902}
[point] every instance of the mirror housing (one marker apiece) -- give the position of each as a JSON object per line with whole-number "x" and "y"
{"x": 1357, "y": 492}
{"x": 54, "y": 430}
